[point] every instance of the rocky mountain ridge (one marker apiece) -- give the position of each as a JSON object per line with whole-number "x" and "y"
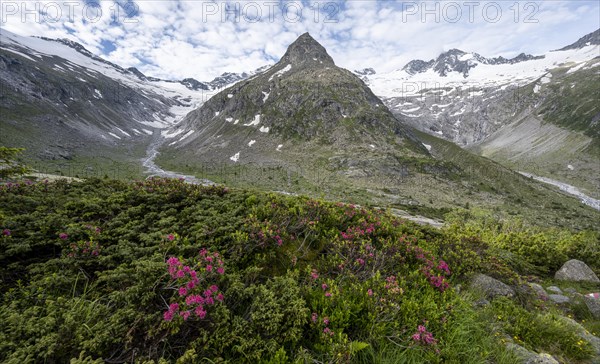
{"x": 461, "y": 62}
{"x": 219, "y": 82}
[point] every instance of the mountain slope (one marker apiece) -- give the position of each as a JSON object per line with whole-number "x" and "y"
{"x": 536, "y": 114}
{"x": 76, "y": 113}
{"x": 558, "y": 134}
{"x": 585, "y": 41}
{"x": 453, "y": 95}
{"x": 304, "y": 102}
{"x": 306, "y": 126}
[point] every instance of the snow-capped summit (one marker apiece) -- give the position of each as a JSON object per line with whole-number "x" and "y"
{"x": 460, "y": 62}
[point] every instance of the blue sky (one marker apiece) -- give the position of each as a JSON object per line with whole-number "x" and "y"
{"x": 202, "y": 39}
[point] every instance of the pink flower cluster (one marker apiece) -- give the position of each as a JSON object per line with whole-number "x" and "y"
{"x": 314, "y": 274}
{"x": 435, "y": 273}
{"x": 326, "y": 330}
{"x": 10, "y": 185}
{"x": 265, "y": 233}
{"x": 392, "y": 285}
{"x": 325, "y": 287}
{"x": 355, "y": 232}
{"x": 423, "y": 337}
{"x": 84, "y": 249}
{"x": 188, "y": 283}
{"x": 177, "y": 185}
{"x": 6, "y": 232}
{"x": 278, "y": 240}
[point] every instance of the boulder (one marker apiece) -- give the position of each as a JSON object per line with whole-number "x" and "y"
{"x": 520, "y": 352}
{"x": 559, "y": 298}
{"x": 576, "y": 271}
{"x": 584, "y": 334}
{"x": 592, "y": 301}
{"x": 529, "y": 357}
{"x": 542, "y": 359}
{"x": 539, "y": 291}
{"x": 491, "y": 287}
{"x": 554, "y": 289}
{"x": 482, "y": 303}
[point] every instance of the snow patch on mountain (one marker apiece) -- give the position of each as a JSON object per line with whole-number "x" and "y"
{"x": 254, "y": 122}
{"x": 280, "y": 72}
{"x": 168, "y": 134}
{"x": 401, "y": 83}
{"x": 124, "y": 132}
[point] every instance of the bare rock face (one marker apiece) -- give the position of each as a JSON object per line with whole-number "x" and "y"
{"x": 542, "y": 359}
{"x": 491, "y": 287}
{"x": 593, "y": 304}
{"x": 576, "y": 271}
{"x": 559, "y": 298}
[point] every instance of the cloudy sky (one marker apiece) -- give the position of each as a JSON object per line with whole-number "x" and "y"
{"x": 175, "y": 39}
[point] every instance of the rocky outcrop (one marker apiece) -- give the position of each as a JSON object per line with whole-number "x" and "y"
{"x": 491, "y": 287}
{"x": 542, "y": 359}
{"x": 592, "y": 301}
{"x": 530, "y": 357}
{"x": 539, "y": 291}
{"x": 576, "y": 271}
{"x": 559, "y": 298}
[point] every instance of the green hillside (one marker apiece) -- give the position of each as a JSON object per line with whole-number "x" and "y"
{"x": 163, "y": 271}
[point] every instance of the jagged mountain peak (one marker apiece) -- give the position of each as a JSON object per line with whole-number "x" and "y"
{"x": 456, "y": 60}
{"x": 304, "y": 99}
{"x": 306, "y": 49}
{"x": 453, "y": 52}
{"x": 589, "y": 39}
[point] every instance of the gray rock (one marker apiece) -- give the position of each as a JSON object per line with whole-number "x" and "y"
{"x": 576, "y": 271}
{"x": 491, "y": 287}
{"x": 523, "y": 354}
{"x": 482, "y": 302}
{"x": 558, "y": 298}
{"x": 529, "y": 357}
{"x": 585, "y": 335}
{"x": 570, "y": 290}
{"x": 593, "y": 304}
{"x": 539, "y": 290}
{"x": 542, "y": 359}
{"x": 554, "y": 289}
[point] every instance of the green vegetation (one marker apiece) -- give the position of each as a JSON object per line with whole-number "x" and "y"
{"x": 163, "y": 271}
{"x": 574, "y": 108}
{"x": 9, "y": 163}
{"x": 554, "y": 132}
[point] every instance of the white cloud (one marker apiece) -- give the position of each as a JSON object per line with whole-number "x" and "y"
{"x": 202, "y": 39}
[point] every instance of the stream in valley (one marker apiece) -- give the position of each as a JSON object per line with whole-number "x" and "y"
{"x": 571, "y": 190}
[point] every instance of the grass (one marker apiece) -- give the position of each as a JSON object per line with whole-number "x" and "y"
{"x": 282, "y": 256}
